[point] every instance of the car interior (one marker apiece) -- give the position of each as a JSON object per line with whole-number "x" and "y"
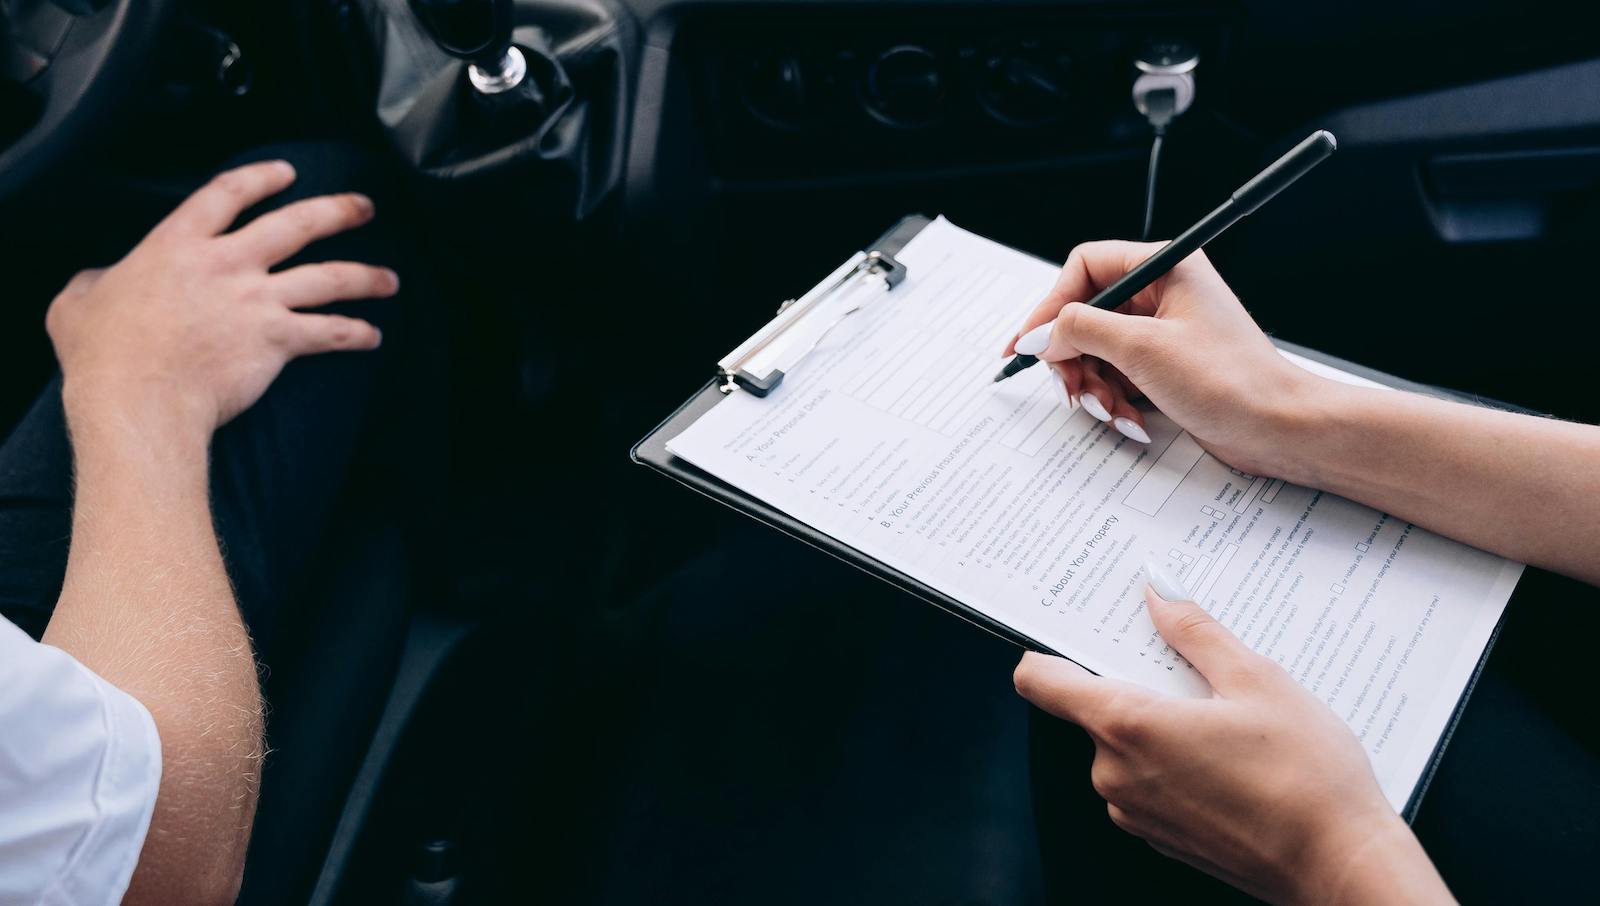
{"x": 587, "y": 685}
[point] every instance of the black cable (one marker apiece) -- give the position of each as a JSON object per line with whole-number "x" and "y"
{"x": 1150, "y": 185}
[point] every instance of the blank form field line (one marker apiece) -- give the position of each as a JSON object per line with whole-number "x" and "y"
{"x": 971, "y": 383}
{"x": 1038, "y": 409}
{"x": 1157, "y": 486}
{"x": 912, "y": 386}
{"x": 1047, "y": 429}
{"x": 1197, "y": 574}
{"x": 935, "y": 401}
{"x": 924, "y": 389}
{"x": 976, "y": 328}
{"x": 1223, "y": 560}
{"x": 1250, "y": 494}
{"x": 969, "y": 409}
{"x": 1271, "y": 493}
{"x": 880, "y": 369}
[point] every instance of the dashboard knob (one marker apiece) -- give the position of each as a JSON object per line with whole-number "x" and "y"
{"x": 1167, "y": 58}
{"x": 904, "y": 86}
{"x": 478, "y": 31}
{"x": 1027, "y": 85}
{"x": 778, "y": 90}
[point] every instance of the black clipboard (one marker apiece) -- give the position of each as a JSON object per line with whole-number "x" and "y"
{"x": 651, "y": 451}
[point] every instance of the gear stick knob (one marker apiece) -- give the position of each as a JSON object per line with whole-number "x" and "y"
{"x": 479, "y": 32}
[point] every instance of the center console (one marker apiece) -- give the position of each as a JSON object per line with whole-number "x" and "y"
{"x": 818, "y": 94}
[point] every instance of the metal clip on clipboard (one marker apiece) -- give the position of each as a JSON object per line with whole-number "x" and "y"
{"x": 759, "y": 364}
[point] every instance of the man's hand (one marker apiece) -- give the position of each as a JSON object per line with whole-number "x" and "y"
{"x": 157, "y": 352}
{"x": 192, "y": 323}
{"x": 1260, "y": 785}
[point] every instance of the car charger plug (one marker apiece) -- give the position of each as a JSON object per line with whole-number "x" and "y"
{"x": 1160, "y": 107}
{"x": 1161, "y": 93}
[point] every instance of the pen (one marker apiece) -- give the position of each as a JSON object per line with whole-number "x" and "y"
{"x": 1258, "y": 191}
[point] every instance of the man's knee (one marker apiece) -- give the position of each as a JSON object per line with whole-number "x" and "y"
{"x": 322, "y": 168}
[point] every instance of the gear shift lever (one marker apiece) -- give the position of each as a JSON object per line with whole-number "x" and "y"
{"x": 479, "y": 32}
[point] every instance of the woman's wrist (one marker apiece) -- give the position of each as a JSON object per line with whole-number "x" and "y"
{"x": 1377, "y": 860}
{"x": 1300, "y": 421}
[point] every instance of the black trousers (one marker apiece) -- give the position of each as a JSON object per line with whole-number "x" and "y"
{"x": 1513, "y": 814}
{"x": 280, "y": 473}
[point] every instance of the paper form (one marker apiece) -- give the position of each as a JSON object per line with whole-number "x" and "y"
{"x": 891, "y": 438}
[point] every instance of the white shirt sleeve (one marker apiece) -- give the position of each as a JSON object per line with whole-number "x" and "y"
{"x": 80, "y": 764}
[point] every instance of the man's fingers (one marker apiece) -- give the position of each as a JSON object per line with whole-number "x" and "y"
{"x": 1221, "y": 658}
{"x": 218, "y": 203}
{"x": 310, "y": 285}
{"x": 278, "y": 234}
{"x": 310, "y": 334}
{"x": 1124, "y": 819}
{"x": 1066, "y": 690}
{"x": 84, "y": 280}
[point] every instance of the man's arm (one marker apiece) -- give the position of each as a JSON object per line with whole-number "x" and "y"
{"x": 157, "y": 352}
{"x": 147, "y": 605}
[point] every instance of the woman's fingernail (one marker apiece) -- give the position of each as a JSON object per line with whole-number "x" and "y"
{"x": 394, "y": 279}
{"x": 1036, "y": 340}
{"x": 1061, "y": 390}
{"x": 363, "y": 203}
{"x": 1163, "y": 582}
{"x": 1132, "y": 430}
{"x": 1092, "y": 405}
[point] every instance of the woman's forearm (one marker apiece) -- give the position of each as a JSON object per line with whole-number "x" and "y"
{"x": 1385, "y": 865}
{"x": 1524, "y": 487}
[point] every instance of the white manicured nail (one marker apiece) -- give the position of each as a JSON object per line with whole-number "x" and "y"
{"x": 1061, "y": 389}
{"x": 1131, "y": 430}
{"x": 1092, "y": 405}
{"x": 1162, "y": 581}
{"x": 1036, "y": 340}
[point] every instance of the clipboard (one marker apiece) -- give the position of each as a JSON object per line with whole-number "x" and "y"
{"x": 651, "y": 451}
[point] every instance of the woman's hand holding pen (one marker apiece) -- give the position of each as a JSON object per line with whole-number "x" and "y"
{"x": 1261, "y": 784}
{"x": 1185, "y": 343}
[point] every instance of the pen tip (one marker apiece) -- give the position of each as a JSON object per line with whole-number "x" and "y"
{"x": 1000, "y": 377}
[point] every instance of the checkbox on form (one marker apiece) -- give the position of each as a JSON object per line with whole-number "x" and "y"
{"x": 1363, "y": 547}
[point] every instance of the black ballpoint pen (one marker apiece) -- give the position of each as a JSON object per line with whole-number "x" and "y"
{"x": 1253, "y": 194}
